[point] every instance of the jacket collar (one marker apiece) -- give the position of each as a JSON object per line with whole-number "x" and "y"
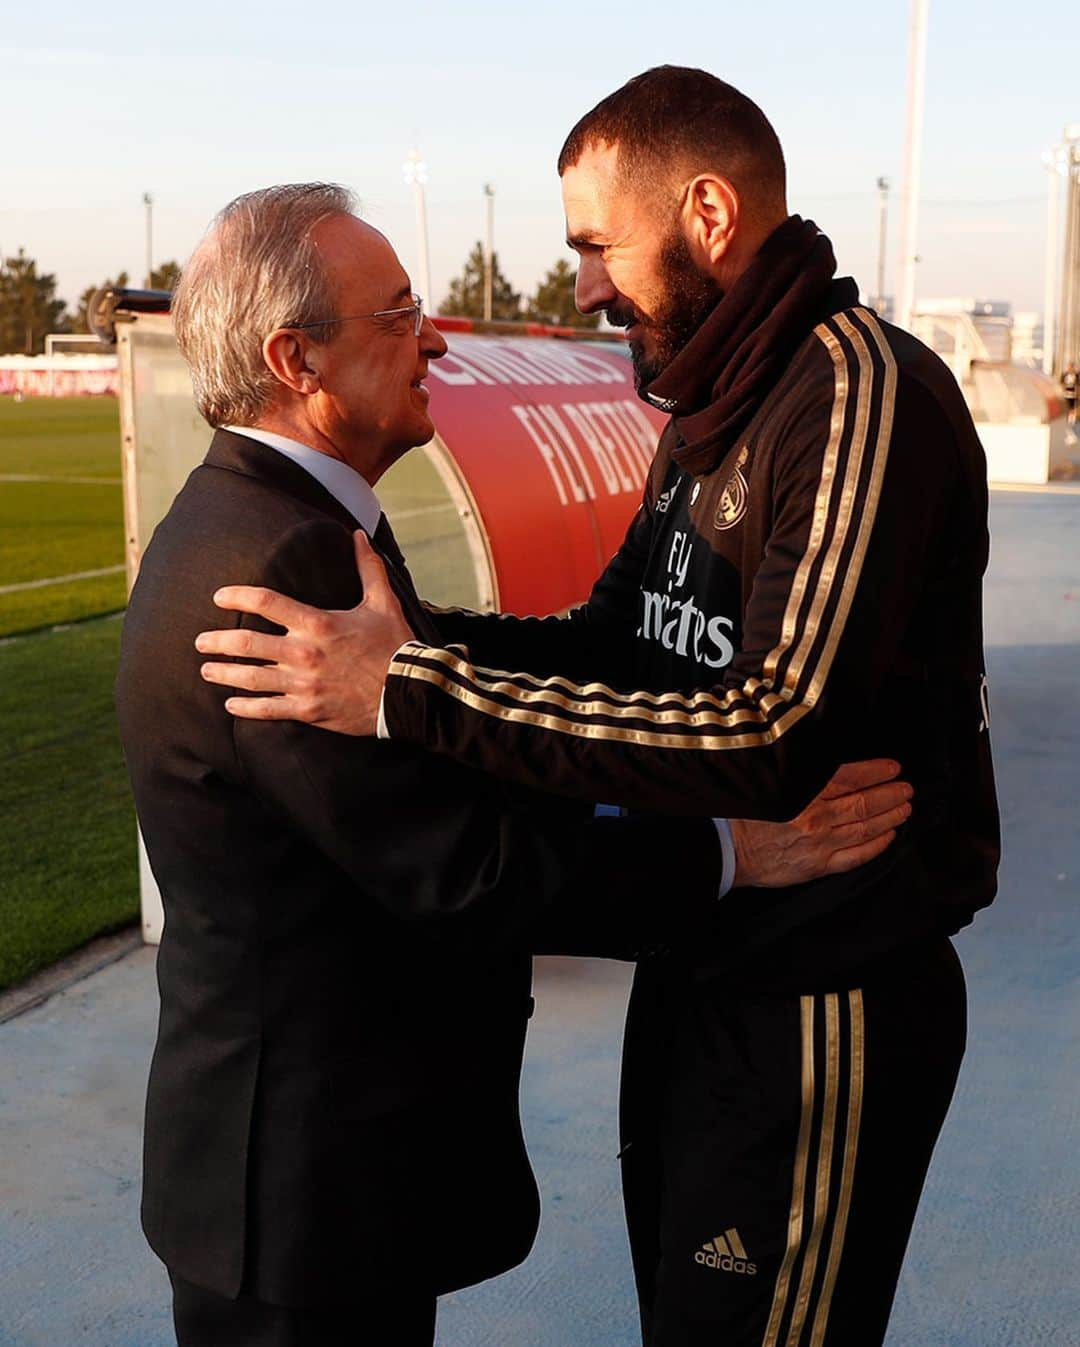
{"x": 250, "y": 458}
{"x": 242, "y": 454}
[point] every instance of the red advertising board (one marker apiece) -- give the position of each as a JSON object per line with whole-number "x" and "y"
{"x": 554, "y": 447}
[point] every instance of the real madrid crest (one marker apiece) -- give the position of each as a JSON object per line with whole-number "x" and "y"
{"x": 734, "y": 497}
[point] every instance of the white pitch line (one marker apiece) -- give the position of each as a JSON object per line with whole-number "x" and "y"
{"x": 65, "y": 481}
{"x": 60, "y": 579}
{"x": 115, "y": 570}
{"x": 59, "y": 626}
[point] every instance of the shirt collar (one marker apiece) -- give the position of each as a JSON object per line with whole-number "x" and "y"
{"x": 343, "y": 482}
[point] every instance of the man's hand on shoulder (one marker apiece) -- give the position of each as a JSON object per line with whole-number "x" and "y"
{"x": 328, "y": 668}
{"x": 852, "y": 821}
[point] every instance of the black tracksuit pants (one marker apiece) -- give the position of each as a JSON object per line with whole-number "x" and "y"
{"x": 775, "y": 1146}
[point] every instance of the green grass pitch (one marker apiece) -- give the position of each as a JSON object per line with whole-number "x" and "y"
{"x": 67, "y": 849}
{"x": 68, "y": 868}
{"x": 61, "y": 510}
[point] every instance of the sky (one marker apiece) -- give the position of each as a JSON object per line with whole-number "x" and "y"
{"x": 199, "y": 102}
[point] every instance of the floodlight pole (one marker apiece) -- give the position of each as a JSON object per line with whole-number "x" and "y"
{"x": 415, "y": 171}
{"x": 883, "y": 226}
{"x": 489, "y": 248}
{"x": 148, "y": 202}
{"x": 1067, "y": 342}
{"x": 1054, "y": 163}
{"x": 910, "y": 183}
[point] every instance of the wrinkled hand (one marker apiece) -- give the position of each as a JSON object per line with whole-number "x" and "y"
{"x": 328, "y": 669}
{"x": 853, "y": 820}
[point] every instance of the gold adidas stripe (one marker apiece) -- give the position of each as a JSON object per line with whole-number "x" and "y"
{"x": 508, "y": 683}
{"x": 847, "y": 1178}
{"x": 690, "y": 701}
{"x": 823, "y": 1177}
{"x": 801, "y": 581}
{"x": 827, "y": 1149}
{"x": 879, "y": 463}
{"x": 607, "y": 733}
{"x": 704, "y": 710}
{"x": 823, "y": 508}
{"x": 844, "y": 507}
{"x": 798, "y": 1185}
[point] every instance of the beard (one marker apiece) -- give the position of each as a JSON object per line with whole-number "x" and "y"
{"x": 685, "y": 298}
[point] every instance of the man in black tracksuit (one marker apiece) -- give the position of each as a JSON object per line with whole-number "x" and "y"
{"x": 801, "y": 586}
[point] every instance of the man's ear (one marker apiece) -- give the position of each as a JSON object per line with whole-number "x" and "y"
{"x": 288, "y": 358}
{"x": 710, "y": 216}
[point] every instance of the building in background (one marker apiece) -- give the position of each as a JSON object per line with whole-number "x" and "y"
{"x": 1027, "y": 338}
{"x": 991, "y": 319}
{"x": 882, "y": 305}
{"x": 995, "y": 359}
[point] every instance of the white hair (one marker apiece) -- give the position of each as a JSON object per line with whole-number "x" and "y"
{"x": 255, "y": 270}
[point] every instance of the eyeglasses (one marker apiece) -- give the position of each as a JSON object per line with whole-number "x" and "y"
{"x": 416, "y": 309}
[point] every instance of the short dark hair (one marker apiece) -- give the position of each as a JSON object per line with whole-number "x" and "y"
{"x": 685, "y": 119}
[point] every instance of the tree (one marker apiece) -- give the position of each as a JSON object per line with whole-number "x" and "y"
{"x": 81, "y": 321}
{"x": 29, "y": 307}
{"x": 165, "y": 276}
{"x": 554, "y": 300}
{"x": 466, "y": 297}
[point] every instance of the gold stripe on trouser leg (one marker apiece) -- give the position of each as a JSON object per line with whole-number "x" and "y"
{"x": 798, "y": 1186}
{"x": 824, "y": 1169}
{"x": 847, "y": 1178}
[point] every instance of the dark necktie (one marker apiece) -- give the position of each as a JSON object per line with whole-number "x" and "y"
{"x": 401, "y": 581}
{"x": 386, "y": 543}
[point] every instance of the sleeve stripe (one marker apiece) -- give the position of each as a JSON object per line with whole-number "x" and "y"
{"x": 589, "y": 729}
{"x": 822, "y": 506}
{"x": 816, "y": 613}
{"x": 453, "y": 673}
{"x": 502, "y": 698}
{"x": 495, "y": 678}
{"x": 878, "y": 463}
{"x": 845, "y": 512}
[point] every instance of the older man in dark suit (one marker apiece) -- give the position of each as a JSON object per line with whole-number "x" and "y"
{"x": 332, "y": 1130}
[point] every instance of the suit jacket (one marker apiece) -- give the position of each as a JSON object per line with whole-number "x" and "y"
{"x": 344, "y": 970}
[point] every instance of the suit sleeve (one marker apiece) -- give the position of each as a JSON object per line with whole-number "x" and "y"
{"x": 858, "y": 484}
{"x": 451, "y": 850}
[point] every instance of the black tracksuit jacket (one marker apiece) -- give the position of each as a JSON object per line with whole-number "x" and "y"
{"x": 812, "y": 598}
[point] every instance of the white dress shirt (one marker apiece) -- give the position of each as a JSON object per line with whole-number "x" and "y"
{"x": 345, "y": 484}
{"x": 351, "y": 490}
